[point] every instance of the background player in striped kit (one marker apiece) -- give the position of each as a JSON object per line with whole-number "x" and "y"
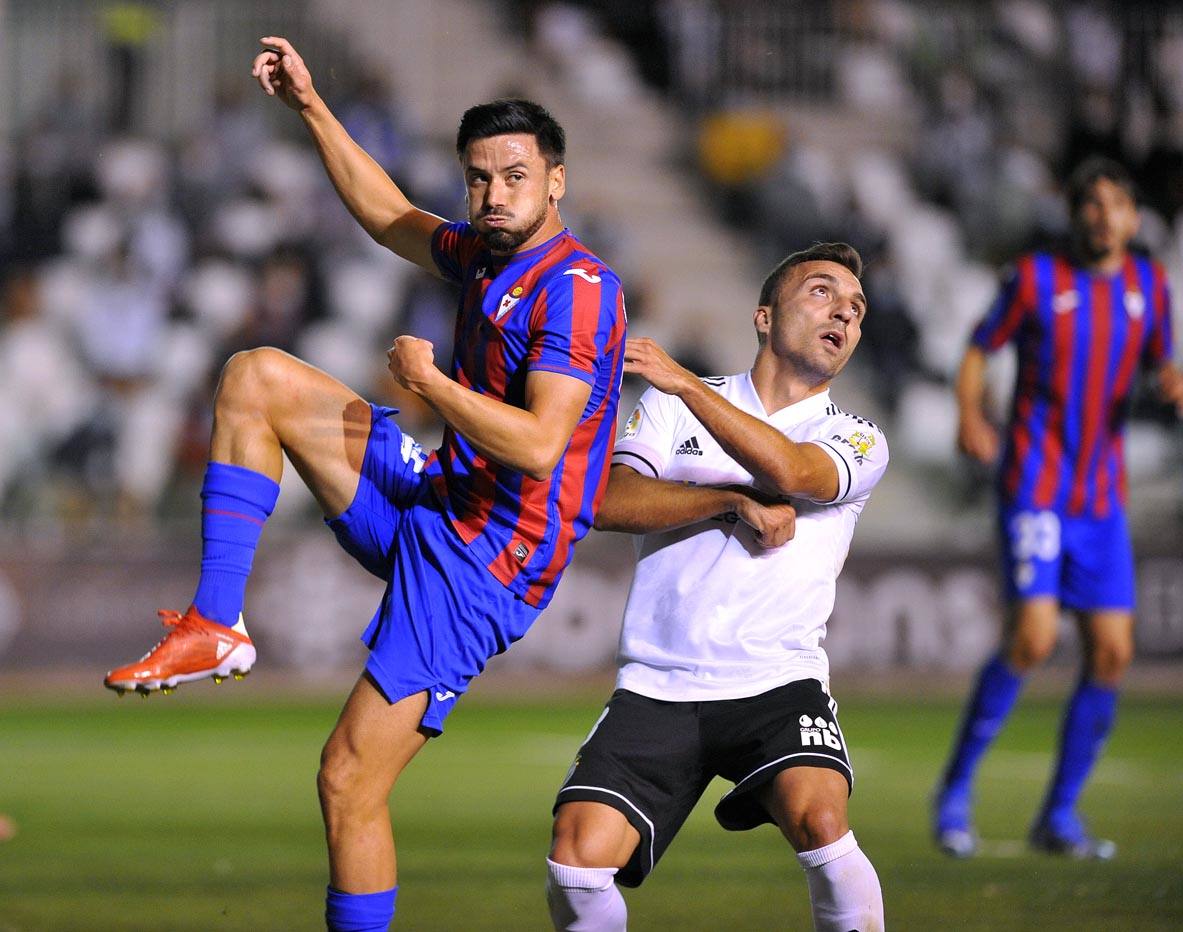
{"x": 721, "y": 665}
{"x": 472, "y": 538}
{"x": 1082, "y": 321}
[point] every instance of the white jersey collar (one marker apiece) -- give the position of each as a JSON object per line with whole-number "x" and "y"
{"x": 788, "y": 416}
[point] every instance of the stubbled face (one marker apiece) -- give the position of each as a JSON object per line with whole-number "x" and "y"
{"x": 1105, "y": 221}
{"x": 511, "y": 190}
{"x": 815, "y": 320}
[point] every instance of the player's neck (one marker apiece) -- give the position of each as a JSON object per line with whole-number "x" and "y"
{"x": 1107, "y": 264}
{"x": 778, "y": 385}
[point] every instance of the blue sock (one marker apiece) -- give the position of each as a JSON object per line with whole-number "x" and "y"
{"x": 1088, "y": 719}
{"x": 235, "y": 504}
{"x": 359, "y": 912}
{"x": 996, "y": 693}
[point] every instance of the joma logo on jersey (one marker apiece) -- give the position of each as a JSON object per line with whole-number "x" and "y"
{"x": 817, "y": 731}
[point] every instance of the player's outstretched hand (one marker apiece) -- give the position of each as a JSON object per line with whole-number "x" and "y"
{"x": 644, "y": 357}
{"x": 281, "y": 73}
{"x": 774, "y": 521}
{"x": 411, "y": 361}
{"x": 978, "y": 438}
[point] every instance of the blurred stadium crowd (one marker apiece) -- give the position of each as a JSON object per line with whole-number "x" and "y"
{"x": 933, "y": 136}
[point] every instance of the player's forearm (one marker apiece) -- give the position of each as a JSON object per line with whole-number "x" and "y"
{"x": 375, "y": 201}
{"x": 971, "y": 384}
{"x": 778, "y": 464}
{"x": 636, "y": 504}
{"x": 503, "y": 433}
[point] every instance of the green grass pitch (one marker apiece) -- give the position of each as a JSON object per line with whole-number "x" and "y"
{"x": 199, "y": 812}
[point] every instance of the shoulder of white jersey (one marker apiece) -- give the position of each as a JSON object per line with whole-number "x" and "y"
{"x": 855, "y": 420}
{"x": 860, "y": 436}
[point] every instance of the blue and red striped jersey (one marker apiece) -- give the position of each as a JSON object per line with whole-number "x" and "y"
{"x": 1080, "y": 337}
{"x": 557, "y": 308}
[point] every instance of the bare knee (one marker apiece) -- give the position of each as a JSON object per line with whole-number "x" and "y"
{"x": 344, "y": 784}
{"x": 587, "y": 834}
{"x": 249, "y": 376}
{"x": 815, "y": 826}
{"x": 1025, "y": 653}
{"x": 1109, "y": 660}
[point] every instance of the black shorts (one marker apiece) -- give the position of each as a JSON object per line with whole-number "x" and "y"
{"x": 652, "y": 760}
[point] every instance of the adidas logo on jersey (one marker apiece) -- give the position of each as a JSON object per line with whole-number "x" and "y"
{"x": 817, "y": 731}
{"x": 689, "y": 448}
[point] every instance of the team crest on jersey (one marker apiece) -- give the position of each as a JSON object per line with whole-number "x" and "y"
{"x": 508, "y": 301}
{"x": 1135, "y": 304}
{"x": 1066, "y": 301}
{"x": 633, "y": 424}
{"x": 860, "y": 442}
{"x": 817, "y": 731}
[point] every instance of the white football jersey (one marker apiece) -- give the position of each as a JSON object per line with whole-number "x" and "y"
{"x": 711, "y": 614}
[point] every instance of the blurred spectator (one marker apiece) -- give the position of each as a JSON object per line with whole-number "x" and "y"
{"x": 45, "y": 392}
{"x": 371, "y": 115}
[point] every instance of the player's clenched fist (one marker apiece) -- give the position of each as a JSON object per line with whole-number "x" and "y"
{"x": 281, "y": 72}
{"x": 411, "y": 361}
{"x": 775, "y": 522}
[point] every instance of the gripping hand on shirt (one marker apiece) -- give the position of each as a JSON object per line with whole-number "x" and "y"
{"x": 773, "y": 520}
{"x": 643, "y": 357}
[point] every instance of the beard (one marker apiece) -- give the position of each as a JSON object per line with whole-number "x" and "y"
{"x": 506, "y": 240}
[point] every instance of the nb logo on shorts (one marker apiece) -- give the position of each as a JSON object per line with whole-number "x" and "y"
{"x": 817, "y": 731}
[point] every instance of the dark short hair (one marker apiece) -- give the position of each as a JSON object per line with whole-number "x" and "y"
{"x": 513, "y": 115}
{"x": 1092, "y": 170}
{"x": 841, "y": 253}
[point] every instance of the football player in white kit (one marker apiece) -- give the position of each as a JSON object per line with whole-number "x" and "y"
{"x": 745, "y": 490}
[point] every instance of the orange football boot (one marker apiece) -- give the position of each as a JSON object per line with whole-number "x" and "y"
{"x": 193, "y": 649}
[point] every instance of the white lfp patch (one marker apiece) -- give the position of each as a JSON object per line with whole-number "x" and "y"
{"x": 633, "y": 424}
{"x": 1135, "y": 304}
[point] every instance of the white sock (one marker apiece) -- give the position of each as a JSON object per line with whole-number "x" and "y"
{"x": 843, "y": 888}
{"x": 584, "y": 899}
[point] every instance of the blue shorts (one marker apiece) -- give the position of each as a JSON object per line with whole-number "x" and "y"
{"x": 1087, "y": 563}
{"x": 443, "y": 614}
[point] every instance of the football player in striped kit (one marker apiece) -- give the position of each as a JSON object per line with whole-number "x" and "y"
{"x": 471, "y": 538}
{"x": 744, "y": 491}
{"x": 1082, "y": 320}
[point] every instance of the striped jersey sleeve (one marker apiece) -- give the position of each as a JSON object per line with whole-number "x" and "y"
{"x": 1016, "y": 299}
{"x": 647, "y": 439}
{"x": 567, "y": 324}
{"x": 453, "y": 247}
{"x": 1160, "y": 340}
{"x": 859, "y": 451}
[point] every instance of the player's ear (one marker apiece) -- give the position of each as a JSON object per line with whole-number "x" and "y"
{"x": 557, "y": 181}
{"x": 762, "y": 319}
